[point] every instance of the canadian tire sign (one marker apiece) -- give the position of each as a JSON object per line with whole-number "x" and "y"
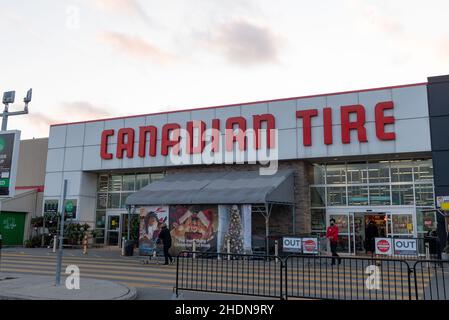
{"x": 310, "y": 245}
{"x": 384, "y": 246}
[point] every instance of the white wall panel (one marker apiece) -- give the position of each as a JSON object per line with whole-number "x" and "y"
{"x": 92, "y": 133}
{"x": 53, "y": 184}
{"x": 284, "y": 112}
{"x": 410, "y": 102}
{"x": 55, "y": 160}
{"x": 73, "y": 159}
{"x": 91, "y": 158}
{"x": 57, "y": 135}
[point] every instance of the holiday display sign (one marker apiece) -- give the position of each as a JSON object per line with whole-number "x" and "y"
{"x": 197, "y": 223}
{"x": 151, "y": 219}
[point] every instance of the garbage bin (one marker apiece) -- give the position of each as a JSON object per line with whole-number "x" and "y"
{"x": 129, "y": 248}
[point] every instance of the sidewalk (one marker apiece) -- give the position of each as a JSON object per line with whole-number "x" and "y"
{"x": 27, "y": 287}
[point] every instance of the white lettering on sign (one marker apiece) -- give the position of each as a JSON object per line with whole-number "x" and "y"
{"x": 384, "y": 246}
{"x": 290, "y": 244}
{"x": 405, "y": 247}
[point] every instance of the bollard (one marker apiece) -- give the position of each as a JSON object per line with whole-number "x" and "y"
{"x": 229, "y": 249}
{"x": 55, "y": 241}
{"x": 276, "y": 250}
{"x": 85, "y": 244}
{"x": 123, "y": 246}
{"x": 427, "y": 254}
{"x": 194, "y": 249}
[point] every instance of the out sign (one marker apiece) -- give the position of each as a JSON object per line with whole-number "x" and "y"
{"x": 405, "y": 247}
{"x": 291, "y": 244}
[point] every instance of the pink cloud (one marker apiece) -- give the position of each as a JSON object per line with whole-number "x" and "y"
{"x": 136, "y": 47}
{"x": 245, "y": 43}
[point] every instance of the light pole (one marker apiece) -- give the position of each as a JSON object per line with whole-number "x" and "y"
{"x": 8, "y": 98}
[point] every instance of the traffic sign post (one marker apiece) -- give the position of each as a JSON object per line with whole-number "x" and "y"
{"x": 61, "y": 237}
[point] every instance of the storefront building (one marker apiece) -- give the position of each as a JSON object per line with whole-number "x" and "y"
{"x": 354, "y": 156}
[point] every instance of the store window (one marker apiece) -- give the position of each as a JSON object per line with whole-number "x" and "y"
{"x": 379, "y": 172}
{"x": 129, "y": 182}
{"x": 318, "y": 196}
{"x": 124, "y": 195}
{"x": 318, "y": 219}
{"x": 379, "y": 195}
{"x": 114, "y": 200}
{"x": 426, "y": 220}
{"x": 319, "y": 174}
{"x": 424, "y": 195}
{"x": 357, "y": 173}
{"x": 336, "y": 174}
{"x": 336, "y": 196}
{"x": 401, "y": 172}
{"x": 402, "y": 224}
{"x": 358, "y": 195}
{"x": 402, "y": 194}
{"x": 142, "y": 180}
{"x": 423, "y": 171}
{"x": 112, "y": 190}
{"x": 115, "y": 183}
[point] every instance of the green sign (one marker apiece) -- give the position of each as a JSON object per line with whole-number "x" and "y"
{"x": 69, "y": 207}
{"x": 2, "y": 144}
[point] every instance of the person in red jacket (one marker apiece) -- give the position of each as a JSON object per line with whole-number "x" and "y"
{"x": 332, "y": 235}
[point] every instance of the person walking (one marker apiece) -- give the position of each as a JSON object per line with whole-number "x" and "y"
{"x": 371, "y": 233}
{"x": 165, "y": 237}
{"x": 332, "y": 235}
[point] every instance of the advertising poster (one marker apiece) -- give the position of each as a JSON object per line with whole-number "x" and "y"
{"x": 150, "y": 220}
{"x": 8, "y": 162}
{"x": 194, "y": 222}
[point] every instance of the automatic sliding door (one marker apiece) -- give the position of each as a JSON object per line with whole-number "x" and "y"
{"x": 343, "y": 223}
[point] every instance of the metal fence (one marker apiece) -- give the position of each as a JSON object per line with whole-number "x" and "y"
{"x": 240, "y": 274}
{"x": 431, "y": 279}
{"x": 312, "y": 277}
{"x": 353, "y": 278}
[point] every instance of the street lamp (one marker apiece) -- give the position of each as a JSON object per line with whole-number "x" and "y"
{"x": 8, "y": 98}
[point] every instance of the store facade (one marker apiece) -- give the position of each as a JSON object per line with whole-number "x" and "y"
{"x": 356, "y": 156}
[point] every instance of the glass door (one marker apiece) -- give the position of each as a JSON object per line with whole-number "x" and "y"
{"x": 345, "y": 224}
{"x": 113, "y": 230}
{"x": 400, "y": 225}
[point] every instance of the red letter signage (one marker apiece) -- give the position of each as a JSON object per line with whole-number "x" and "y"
{"x": 127, "y": 146}
{"x": 257, "y": 123}
{"x": 382, "y": 120}
{"x": 143, "y": 131}
{"x": 240, "y": 137}
{"x": 347, "y": 125}
{"x": 104, "y": 144}
{"x": 201, "y": 126}
{"x": 306, "y": 116}
{"x": 167, "y": 142}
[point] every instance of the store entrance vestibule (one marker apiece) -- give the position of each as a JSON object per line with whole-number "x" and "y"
{"x": 352, "y": 227}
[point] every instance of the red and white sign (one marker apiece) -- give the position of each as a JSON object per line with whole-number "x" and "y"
{"x": 172, "y": 134}
{"x": 310, "y": 245}
{"x": 384, "y": 246}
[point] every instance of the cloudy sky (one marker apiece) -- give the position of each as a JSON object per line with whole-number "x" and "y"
{"x": 88, "y": 59}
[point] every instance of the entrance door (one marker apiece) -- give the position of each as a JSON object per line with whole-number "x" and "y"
{"x": 113, "y": 230}
{"x": 344, "y": 223}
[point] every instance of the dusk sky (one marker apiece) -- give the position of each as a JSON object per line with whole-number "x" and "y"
{"x": 88, "y": 59}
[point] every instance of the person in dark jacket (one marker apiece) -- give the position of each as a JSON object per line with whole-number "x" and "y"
{"x": 165, "y": 237}
{"x": 371, "y": 233}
